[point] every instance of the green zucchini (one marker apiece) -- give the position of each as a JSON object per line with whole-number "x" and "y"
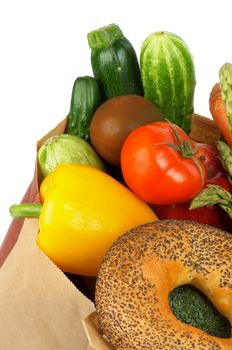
{"x": 114, "y": 63}
{"x": 168, "y": 76}
{"x": 84, "y": 102}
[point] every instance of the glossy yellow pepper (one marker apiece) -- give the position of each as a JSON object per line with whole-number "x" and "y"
{"x": 84, "y": 211}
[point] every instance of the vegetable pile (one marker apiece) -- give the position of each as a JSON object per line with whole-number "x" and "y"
{"x": 127, "y": 157}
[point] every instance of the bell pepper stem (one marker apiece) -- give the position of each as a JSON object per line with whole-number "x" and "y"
{"x": 31, "y": 210}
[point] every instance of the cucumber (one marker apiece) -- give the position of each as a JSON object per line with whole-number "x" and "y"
{"x": 168, "y": 76}
{"x": 114, "y": 63}
{"x": 84, "y": 102}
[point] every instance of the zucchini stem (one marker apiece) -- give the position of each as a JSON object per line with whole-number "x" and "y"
{"x": 104, "y": 37}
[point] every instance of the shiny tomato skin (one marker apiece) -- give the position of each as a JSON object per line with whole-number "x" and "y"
{"x": 156, "y": 172}
{"x": 211, "y": 215}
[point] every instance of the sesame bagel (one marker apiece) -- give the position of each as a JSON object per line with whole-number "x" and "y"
{"x": 140, "y": 270}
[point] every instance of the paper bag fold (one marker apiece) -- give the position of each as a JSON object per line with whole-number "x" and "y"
{"x": 96, "y": 340}
{"x": 43, "y": 310}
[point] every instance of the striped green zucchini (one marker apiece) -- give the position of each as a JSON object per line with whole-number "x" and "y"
{"x": 168, "y": 76}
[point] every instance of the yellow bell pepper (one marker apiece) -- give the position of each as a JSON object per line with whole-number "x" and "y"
{"x": 84, "y": 211}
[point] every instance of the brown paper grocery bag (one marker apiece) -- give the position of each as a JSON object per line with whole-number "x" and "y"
{"x": 40, "y": 308}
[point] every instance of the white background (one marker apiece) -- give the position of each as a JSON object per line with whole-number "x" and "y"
{"x": 43, "y": 48}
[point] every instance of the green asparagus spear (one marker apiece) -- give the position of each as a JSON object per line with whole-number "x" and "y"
{"x": 213, "y": 194}
{"x": 225, "y": 75}
{"x": 226, "y": 158}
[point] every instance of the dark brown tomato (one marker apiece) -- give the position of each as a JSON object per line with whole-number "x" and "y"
{"x": 115, "y": 119}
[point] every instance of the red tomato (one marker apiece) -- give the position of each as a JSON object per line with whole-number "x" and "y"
{"x": 157, "y": 172}
{"x": 210, "y": 158}
{"x": 211, "y": 215}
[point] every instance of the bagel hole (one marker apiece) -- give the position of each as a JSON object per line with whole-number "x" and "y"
{"x": 189, "y": 305}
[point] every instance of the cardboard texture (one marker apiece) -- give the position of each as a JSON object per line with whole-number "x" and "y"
{"x": 40, "y": 308}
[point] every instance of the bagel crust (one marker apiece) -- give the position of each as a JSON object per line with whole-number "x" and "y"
{"x": 140, "y": 270}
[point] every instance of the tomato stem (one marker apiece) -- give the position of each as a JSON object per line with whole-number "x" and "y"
{"x": 185, "y": 149}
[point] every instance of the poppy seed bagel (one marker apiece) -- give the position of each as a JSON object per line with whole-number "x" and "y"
{"x": 140, "y": 270}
